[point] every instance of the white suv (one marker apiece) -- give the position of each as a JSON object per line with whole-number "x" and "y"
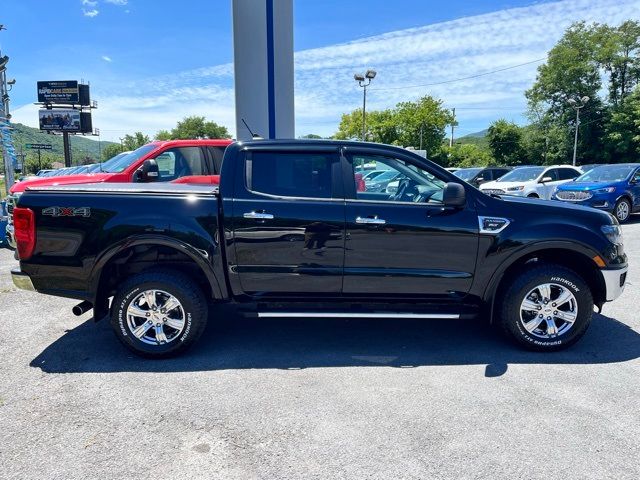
{"x": 535, "y": 182}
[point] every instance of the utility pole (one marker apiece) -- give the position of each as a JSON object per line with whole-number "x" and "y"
{"x": 421, "y": 131}
{"x": 453, "y": 122}
{"x": 577, "y": 104}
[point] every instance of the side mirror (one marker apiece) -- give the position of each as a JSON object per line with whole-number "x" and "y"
{"x": 454, "y": 195}
{"x": 479, "y": 180}
{"x": 148, "y": 171}
{"x": 546, "y": 179}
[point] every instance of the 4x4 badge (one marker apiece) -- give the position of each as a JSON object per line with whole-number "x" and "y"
{"x": 67, "y": 211}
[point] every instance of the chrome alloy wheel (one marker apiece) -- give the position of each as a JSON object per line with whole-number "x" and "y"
{"x": 155, "y": 317}
{"x": 622, "y": 211}
{"x": 548, "y": 311}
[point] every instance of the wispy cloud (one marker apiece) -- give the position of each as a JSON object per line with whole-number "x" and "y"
{"x": 89, "y": 3}
{"x": 106, "y": 58}
{"x": 410, "y": 63}
{"x": 90, "y": 13}
{"x": 118, "y": 2}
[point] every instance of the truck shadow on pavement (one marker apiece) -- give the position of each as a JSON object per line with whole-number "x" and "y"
{"x": 236, "y": 342}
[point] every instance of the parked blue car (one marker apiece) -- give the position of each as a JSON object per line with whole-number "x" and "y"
{"x": 614, "y": 188}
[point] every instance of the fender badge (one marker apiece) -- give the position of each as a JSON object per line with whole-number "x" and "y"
{"x": 67, "y": 211}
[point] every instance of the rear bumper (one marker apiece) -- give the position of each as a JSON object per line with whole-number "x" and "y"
{"x": 11, "y": 240}
{"x": 22, "y": 280}
{"x": 614, "y": 280}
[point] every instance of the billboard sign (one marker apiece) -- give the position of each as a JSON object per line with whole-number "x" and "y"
{"x": 60, "y": 120}
{"x": 63, "y": 91}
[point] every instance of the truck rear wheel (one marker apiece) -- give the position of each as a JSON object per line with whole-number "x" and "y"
{"x": 159, "y": 313}
{"x": 546, "y": 308}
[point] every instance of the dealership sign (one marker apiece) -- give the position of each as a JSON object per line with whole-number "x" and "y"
{"x": 64, "y": 91}
{"x": 60, "y": 120}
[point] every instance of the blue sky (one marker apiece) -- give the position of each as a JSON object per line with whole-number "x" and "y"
{"x": 150, "y": 63}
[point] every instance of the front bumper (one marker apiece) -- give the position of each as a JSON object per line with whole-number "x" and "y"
{"x": 22, "y": 280}
{"x": 614, "y": 280}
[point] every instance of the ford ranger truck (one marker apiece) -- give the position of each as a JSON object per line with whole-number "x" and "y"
{"x": 287, "y": 233}
{"x": 177, "y": 161}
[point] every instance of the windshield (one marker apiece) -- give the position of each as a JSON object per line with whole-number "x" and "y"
{"x": 607, "y": 173}
{"x": 467, "y": 173}
{"x": 523, "y": 174}
{"x": 388, "y": 175}
{"x": 120, "y": 162}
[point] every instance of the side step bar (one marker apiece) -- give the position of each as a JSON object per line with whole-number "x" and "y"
{"x": 452, "y": 316}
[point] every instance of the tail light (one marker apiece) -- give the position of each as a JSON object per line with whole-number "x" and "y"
{"x": 24, "y": 224}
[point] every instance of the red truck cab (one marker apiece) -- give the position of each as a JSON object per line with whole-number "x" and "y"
{"x": 176, "y": 160}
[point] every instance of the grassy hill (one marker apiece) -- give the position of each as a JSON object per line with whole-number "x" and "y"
{"x": 478, "y": 138}
{"x": 81, "y": 147}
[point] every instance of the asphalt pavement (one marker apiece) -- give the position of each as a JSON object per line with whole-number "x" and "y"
{"x": 317, "y": 399}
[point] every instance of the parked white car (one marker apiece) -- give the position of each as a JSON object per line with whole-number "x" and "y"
{"x": 534, "y": 182}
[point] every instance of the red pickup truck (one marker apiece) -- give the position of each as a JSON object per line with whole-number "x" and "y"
{"x": 178, "y": 161}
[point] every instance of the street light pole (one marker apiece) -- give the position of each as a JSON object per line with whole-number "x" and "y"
{"x": 364, "y": 81}
{"x": 577, "y": 104}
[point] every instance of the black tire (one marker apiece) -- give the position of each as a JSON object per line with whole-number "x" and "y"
{"x": 193, "y": 308}
{"x": 533, "y": 195}
{"x": 515, "y": 292}
{"x": 619, "y": 215}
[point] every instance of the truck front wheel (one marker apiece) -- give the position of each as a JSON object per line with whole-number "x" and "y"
{"x": 546, "y": 308}
{"x": 159, "y": 313}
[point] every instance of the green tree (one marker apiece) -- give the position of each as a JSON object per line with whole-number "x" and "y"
{"x": 131, "y": 142}
{"x": 505, "y": 142}
{"x": 402, "y": 125}
{"x": 194, "y": 127}
{"x": 350, "y": 127}
{"x": 33, "y": 165}
{"x": 622, "y": 130}
{"x": 424, "y": 118}
{"x": 163, "y": 135}
{"x": 467, "y": 155}
{"x": 111, "y": 151}
{"x": 311, "y": 136}
{"x": 618, "y": 53}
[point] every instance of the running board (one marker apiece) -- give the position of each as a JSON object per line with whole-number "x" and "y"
{"x": 452, "y": 316}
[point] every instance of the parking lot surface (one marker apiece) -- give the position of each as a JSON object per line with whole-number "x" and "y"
{"x": 313, "y": 398}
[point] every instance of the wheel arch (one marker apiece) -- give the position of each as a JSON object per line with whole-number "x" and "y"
{"x": 168, "y": 251}
{"x": 572, "y": 256}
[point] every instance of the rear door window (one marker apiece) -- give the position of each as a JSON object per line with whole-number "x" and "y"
{"x": 285, "y": 174}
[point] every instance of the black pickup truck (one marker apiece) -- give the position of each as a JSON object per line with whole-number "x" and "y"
{"x": 292, "y": 233}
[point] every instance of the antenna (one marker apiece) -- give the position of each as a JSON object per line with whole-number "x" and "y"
{"x": 253, "y": 135}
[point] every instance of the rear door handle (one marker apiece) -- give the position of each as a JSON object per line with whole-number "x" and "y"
{"x": 258, "y": 215}
{"x": 370, "y": 220}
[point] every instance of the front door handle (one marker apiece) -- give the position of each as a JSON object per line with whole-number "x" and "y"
{"x": 258, "y": 215}
{"x": 370, "y": 220}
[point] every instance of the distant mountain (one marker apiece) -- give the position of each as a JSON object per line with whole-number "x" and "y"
{"x": 81, "y": 147}
{"x": 480, "y": 134}
{"x": 478, "y": 138}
